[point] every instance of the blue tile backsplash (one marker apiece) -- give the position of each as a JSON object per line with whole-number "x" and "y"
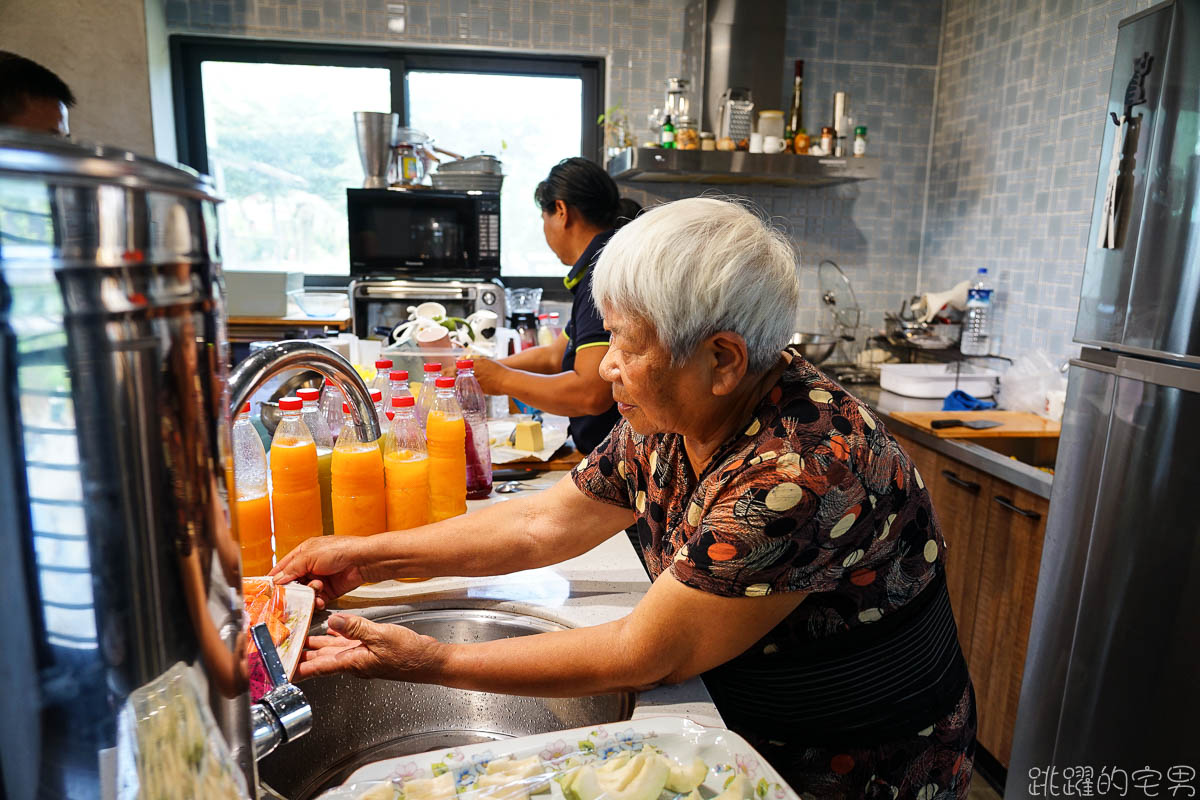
{"x": 987, "y": 114}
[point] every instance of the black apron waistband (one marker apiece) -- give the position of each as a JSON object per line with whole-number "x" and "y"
{"x": 874, "y": 683}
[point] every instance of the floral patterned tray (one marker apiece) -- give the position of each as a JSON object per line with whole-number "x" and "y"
{"x": 725, "y": 753}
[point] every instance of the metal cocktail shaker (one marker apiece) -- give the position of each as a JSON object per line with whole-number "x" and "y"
{"x": 376, "y": 134}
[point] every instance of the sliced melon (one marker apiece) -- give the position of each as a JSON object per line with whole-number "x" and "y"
{"x": 686, "y": 779}
{"x": 439, "y": 788}
{"x": 641, "y": 778}
{"x": 384, "y": 791}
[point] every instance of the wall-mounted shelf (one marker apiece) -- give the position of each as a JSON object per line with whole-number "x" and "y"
{"x": 657, "y": 165}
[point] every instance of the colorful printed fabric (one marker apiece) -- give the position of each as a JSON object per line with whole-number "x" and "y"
{"x": 812, "y": 496}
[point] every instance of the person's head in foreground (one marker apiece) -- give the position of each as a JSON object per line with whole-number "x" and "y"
{"x": 32, "y": 97}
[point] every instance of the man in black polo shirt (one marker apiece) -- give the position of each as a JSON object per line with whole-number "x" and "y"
{"x": 581, "y": 209}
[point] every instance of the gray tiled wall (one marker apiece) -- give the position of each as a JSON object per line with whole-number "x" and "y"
{"x": 641, "y": 40}
{"x": 1022, "y": 90}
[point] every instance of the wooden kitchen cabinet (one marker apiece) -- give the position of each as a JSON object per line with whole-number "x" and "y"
{"x": 1008, "y": 573}
{"x": 993, "y": 532}
{"x": 960, "y": 496}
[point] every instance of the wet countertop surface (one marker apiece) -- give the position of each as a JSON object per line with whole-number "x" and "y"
{"x": 599, "y": 586}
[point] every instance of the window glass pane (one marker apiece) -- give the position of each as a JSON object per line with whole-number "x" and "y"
{"x": 281, "y": 146}
{"x": 529, "y": 123}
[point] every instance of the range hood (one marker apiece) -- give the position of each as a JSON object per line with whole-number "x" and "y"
{"x": 743, "y": 48}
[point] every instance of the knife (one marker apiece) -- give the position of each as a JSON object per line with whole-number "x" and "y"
{"x": 977, "y": 424}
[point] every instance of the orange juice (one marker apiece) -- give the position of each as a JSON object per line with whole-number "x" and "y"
{"x": 295, "y": 493}
{"x": 254, "y": 530}
{"x": 359, "y": 505}
{"x": 446, "y": 435}
{"x": 407, "y": 478}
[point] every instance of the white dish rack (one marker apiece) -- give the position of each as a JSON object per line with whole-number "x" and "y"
{"x": 937, "y": 380}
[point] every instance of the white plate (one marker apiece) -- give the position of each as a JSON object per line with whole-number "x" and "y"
{"x": 725, "y": 753}
{"x": 300, "y": 600}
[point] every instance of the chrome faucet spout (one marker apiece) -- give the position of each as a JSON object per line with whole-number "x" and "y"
{"x": 259, "y": 366}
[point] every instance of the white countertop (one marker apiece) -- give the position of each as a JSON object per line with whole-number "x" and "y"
{"x": 599, "y": 586}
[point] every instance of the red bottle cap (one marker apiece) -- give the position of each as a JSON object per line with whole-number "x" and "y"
{"x": 291, "y": 404}
{"x": 398, "y": 375}
{"x": 404, "y": 402}
{"x": 308, "y": 394}
{"x": 433, "y": 367}
{"x": 246, "y": 407}
{"x": 383, "y": 363}
{"x": 445, "y": 383}
{"x": 377, "y": 395}
{"x": 465, "y": 363}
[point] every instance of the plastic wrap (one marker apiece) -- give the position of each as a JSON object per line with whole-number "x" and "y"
{"x": 668, "y": 758}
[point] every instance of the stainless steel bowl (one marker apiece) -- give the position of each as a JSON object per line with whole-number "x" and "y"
{"x": 816, "y": 347}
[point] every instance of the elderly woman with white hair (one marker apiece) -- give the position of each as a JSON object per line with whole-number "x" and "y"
{"x": 796, "y": 561}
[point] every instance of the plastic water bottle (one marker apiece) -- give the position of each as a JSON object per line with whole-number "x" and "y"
{"x": 977, "y": 325}
{"x": 331, "y": 407}
{"x": 474, "y": 408}
{"x": 428, "y": 390}
{"x": 295, "y": 489}
{"x": 252, "y": 506}
{"x": 383, "y": 368}
{"x": 406, "y": 468}
{"x": 359, "y": 503}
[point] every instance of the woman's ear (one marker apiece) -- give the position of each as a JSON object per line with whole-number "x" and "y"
{"x": 730, "y": 361}
{"x": 562, "y": 213}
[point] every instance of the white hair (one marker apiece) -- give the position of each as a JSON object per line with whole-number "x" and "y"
{"x": 694, "y": 267}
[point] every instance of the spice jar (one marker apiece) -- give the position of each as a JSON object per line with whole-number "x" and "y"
{"x": 800, "y": 144}
{"x": 770, "y": 123}
{"x": 827, "y": 139}
{"x": 860, "y": 141}
{"x": 687, "y": 137}
{"x": 707, "y": 141}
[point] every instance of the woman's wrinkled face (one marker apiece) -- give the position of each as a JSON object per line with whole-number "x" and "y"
{"x": 653, "y": 395}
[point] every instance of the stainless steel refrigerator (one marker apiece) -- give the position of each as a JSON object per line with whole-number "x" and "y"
{"x": 1112, "y": 675}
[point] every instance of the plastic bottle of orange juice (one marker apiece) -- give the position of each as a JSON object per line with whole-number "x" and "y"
{"x": 315, "y": 420}
{"x": 359, "y": 505}
{"x": 252, "y": 506}
{"x": 446, "y": 437}
{"x": 406, "y": 468}
{"x": 295, "y": 492}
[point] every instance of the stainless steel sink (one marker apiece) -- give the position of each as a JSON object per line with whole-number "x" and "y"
{"x": 359, "y": 721}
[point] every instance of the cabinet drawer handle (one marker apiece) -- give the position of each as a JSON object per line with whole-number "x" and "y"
{"x": 970, "y": 486}
{"x": 1024, "y": 512}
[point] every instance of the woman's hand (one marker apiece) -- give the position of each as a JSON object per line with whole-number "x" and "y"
{"x": 330, "y": 565}
{"x": 370, "y": 650}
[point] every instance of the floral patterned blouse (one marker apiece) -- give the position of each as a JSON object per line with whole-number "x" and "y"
{"x": 812, "y": 496}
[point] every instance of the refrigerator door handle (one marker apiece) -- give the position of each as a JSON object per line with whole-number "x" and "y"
{"x": 1024, "y": 512}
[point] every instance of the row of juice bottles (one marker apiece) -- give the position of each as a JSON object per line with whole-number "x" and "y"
{"x": 324, "y": 479}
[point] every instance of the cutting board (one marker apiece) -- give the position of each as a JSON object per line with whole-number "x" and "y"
{"x": 1014, "y": 424}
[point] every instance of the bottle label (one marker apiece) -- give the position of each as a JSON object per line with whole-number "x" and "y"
{"x": 860, "y": 146}
{"x": 979, "y": 297}
{"x": 668, "y": 137}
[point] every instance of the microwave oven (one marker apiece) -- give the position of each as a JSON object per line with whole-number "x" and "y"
{"x": 424, "y": 233}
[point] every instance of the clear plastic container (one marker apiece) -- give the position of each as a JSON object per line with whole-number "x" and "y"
{"x": 428, "y": 390}
{"x": 252, "y": 504}
{"x": 295, "y": 489}
{"x": 319, "y": 428}
{"x": 446, "y": 438}
{"x": 473, "y": 402}
{"x": 406, "y": 468}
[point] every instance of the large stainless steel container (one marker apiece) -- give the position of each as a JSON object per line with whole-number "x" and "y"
{"x": 119, "y": 570}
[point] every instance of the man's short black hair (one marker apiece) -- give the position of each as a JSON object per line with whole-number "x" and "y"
{"x": 22, "y": 80}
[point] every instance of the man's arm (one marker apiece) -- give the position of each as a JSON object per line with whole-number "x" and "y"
{"x": 576, "y": 393}
{"x": 659, "y": 642}
{"x": 544, "y": 359}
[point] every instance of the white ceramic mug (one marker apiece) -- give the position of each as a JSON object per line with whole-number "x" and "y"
{"x": 483, "y": 324}
{"x": 772, "y": 144}
{"x": 756, "y": 143}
